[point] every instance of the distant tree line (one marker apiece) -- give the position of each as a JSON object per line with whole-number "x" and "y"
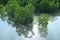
{"x": 40, "y": 5}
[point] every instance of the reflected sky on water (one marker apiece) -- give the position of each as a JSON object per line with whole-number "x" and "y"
{"x": 9, "y": 33}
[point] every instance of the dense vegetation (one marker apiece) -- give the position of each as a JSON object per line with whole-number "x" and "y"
{"x": 22, "y": 15}
{"x": 21, "y": 11}
{"x": 43, "y": 20}
{"x": 40, "y": 5}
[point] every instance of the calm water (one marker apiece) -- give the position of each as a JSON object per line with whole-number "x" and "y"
{"x": 51, "y": 32}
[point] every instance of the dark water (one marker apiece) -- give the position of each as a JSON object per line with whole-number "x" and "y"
{"x": 51, "y": 32}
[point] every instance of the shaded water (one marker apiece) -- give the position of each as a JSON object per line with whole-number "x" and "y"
{"x": 51, "y": 32}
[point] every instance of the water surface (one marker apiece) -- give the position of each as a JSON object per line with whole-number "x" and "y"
{"x": 51, "y": 32}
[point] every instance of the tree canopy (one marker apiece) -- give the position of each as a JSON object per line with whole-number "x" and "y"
{"x": 40, "y": 5}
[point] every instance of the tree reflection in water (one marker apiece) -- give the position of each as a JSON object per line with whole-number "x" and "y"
{"x": 25, "y": 30}
{"x": 43, "y": 22}
{"x": 22, "y": 30}
{"x": 43, "y": 31}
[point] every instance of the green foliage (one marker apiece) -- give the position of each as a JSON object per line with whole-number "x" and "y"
{"x": 22, "y": 2}
{"x": 33, "y": 2}
{"x": 30, "y": 8}
{"x": 40, "y": 5}
{"x": 24, "y": 15}
{"x": 43, "y": 20}
{"x": 20, "y": 15}
{"x": 1, "y": 8}
{"x": 44, "y": 6}
{"x": 53, "y": 6}
{"x": 48, "y": 6}
{"x": 59, "y": 3}
{"x": 11, "y": 7}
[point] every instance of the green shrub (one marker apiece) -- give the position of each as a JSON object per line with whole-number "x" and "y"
{"x": 24, "y": 15}
{"x": 11, "y": 7}
{"x": 43, "y": 19}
